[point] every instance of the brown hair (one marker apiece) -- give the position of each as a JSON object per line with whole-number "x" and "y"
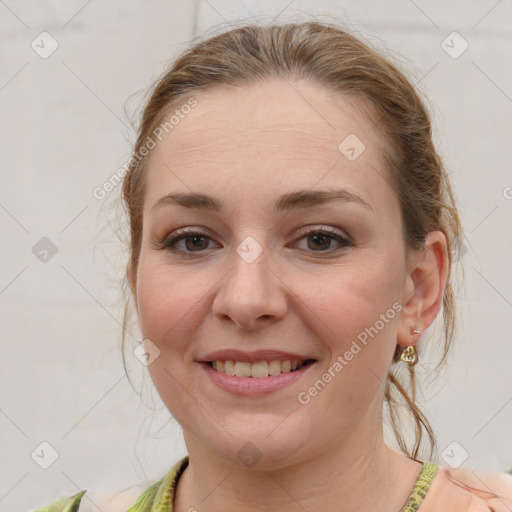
{"x": 327, "y": 55}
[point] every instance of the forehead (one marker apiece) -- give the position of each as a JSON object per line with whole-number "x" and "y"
{"x": 274, "y": 135}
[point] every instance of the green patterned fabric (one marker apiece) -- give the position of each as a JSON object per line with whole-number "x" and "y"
{"x": 421, "y": 487}
{"x": 64, "y": 504}
{"x": 159, "y": 497}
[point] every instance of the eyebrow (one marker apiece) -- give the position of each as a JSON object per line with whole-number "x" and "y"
{"x": 289, "y": 201}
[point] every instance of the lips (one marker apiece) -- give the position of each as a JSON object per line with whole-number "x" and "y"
{"x": 259, "y": 383}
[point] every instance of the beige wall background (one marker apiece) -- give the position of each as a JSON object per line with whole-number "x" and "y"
{"x": 69, "y": 418}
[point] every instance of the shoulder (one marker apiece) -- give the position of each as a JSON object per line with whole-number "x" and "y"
{"x": 123, "y": 500}
{"x": 142, "y": 498}
{"x": 469, "y": 490}
{"x": 137, "y": 498}
{"x": 106, "y": 501}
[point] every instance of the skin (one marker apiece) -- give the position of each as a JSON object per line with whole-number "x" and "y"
{"x": 246, "y": 146}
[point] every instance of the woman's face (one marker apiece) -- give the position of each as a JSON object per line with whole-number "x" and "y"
{"x": 271, "y": 270}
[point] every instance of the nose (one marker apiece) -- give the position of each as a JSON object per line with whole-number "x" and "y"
{"x": 251, "y": 294}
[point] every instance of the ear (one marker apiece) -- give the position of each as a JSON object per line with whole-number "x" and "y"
{"x": 131, "y": 278}
{"x": 424, "y": 288}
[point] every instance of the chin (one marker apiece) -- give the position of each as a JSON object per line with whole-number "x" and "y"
{"x": 269, "y": 448}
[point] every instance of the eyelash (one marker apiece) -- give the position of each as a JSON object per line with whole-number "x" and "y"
{"x": 170, "y": 242}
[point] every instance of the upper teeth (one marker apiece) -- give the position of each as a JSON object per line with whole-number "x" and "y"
{"x": 258, "y": 370}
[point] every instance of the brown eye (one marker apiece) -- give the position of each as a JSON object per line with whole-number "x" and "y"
{"x": 321, "y": 240}
{"x": 193, "y": 242}
{"x": 185, "y": 242}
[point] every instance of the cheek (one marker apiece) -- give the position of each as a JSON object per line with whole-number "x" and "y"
{"x": 351, "y": 298}
{"x": 171, "y": 302}
{"x": 170, "y": 314}
{"x": 355, "y": 314}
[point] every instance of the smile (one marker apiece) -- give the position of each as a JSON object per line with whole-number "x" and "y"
{"x": 257, "y": 370}
{"x": 259, "y": 378}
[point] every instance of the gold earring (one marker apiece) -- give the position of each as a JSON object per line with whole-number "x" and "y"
{"x": 410, "y": 355}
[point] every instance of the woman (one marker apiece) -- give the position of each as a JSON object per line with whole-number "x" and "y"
{"x": 292, "y": 235}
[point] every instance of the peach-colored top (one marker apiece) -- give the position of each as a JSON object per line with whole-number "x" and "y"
{"x": 438, "y": 489}
{"x": 468, "y": 490}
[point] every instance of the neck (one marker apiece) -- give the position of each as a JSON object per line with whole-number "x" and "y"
{"x": 360, "y": 473}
